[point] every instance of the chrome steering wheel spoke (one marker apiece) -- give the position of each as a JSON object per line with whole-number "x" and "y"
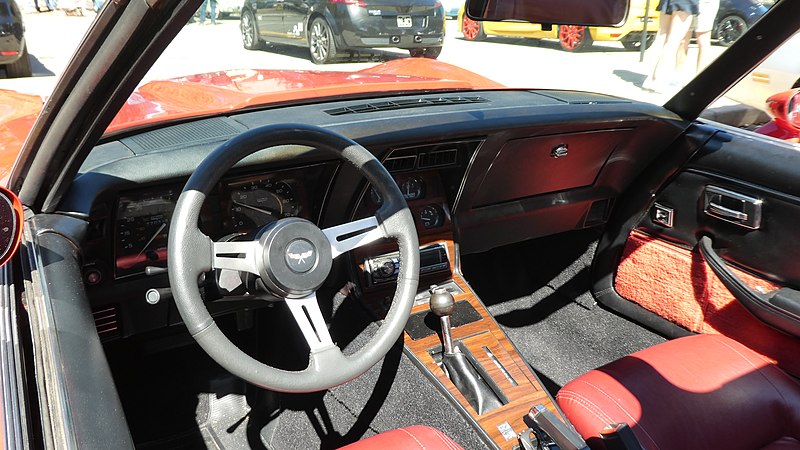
{"x": 351, "y": 235}
{"x": 241, "y": 256}
{"x": 309, "y": 318}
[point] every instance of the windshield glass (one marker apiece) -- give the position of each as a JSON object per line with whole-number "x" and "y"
{"x": 230, "y": 39}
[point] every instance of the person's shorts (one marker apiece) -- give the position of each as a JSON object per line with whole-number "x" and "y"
{"x": 671, "y": 6}
{"x": 704, "y": 21}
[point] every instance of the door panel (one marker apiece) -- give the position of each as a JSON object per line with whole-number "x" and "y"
{"x": 660, "y": 275}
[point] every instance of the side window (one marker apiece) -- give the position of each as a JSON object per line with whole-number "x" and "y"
{"x": 767, "y": 100}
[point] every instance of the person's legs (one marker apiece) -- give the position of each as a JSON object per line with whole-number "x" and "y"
{"x": 703, "y": 48}
{"x": 683, "y": 51}
{"x": 664, "y": 21}
{"x": 203, "y": 12}
{"x": 213, "y": 11}
{"x": 678, "y": 27}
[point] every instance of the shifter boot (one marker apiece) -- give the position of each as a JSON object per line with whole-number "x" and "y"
{"x": 464, "y": 376}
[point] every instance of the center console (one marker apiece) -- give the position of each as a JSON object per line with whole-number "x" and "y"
{"x": 508, "y": 387}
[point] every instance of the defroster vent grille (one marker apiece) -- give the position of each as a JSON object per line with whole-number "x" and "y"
{"x": 405, "y": 104}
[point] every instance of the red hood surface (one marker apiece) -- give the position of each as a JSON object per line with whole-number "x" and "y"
{"x": 231, "y": 90}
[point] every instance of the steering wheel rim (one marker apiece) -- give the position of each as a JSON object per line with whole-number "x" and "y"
{"x": 192, "y": 253}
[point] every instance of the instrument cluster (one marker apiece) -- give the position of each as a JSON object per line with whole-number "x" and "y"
{"x": 238, "y": 206}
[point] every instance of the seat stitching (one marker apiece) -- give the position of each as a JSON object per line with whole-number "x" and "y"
{"x": 441, "y": 437}
{"x": 760, "y": 372}
{"x": 446, "y": 439}
{"x": 623, "y": 409}
{"x": 414, "y": 438}
{"x": 587, "y": 404}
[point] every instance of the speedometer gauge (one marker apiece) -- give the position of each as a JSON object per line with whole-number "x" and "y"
{"x": 141, "y": 230}
{"x": 260, "y": 202}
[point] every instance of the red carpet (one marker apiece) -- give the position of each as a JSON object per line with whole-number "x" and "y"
{"x": 678, "y": 285}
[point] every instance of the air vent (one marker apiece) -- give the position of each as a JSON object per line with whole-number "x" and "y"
{"x": 400, "y": 163}
{"x": 598, "y": 213}
{"x": 107, "y": 323}
{"x": 439, "y": 158}
{"x": 405, "y": 104}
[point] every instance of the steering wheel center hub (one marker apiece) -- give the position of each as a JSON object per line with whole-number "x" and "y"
{"x": 296, "y": 258}
{"x": 301, "y": 255}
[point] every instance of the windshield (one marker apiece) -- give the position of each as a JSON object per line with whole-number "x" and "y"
{"x": 387, "y": 43}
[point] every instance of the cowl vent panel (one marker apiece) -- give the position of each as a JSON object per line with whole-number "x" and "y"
{"x": 405, "y": 104}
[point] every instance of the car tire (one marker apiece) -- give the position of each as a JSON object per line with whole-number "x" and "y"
{"x": 321, "y": 45}
{"x": 730, "y": 29}
{"x": 472, "y": 29}
{"x": 574, "y": 38}
{"x": 633, "y": 41}
{"x": 21, "y": 67}
{"x": 249, "y": 28}
{"x": 427, "y": 52}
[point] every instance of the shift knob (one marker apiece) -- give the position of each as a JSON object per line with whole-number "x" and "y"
{"x": 442, "y": 302}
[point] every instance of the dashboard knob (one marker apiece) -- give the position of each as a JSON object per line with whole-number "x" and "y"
{"x": 385, "y": 268}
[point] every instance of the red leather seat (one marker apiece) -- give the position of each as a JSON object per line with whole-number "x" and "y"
{"x": 699, "y": 392}
{"x": 408, "y": 438}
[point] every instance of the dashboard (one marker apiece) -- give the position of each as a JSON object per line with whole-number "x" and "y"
{"x": 479, "y": 175}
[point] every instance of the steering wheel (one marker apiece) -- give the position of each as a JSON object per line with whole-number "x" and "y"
{"x": 292, "y": 257}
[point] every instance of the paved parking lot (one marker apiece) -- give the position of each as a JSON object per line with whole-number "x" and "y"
{"x": 607, "y": 67}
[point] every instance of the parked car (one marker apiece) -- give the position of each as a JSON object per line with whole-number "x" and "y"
{"x": 13, "y": 50}
{"x": 572, "y": 38}
{"x": 331, "y": 27}
{"x": 778, "y": 73}
{"x": 735, "y": 17}
{"x": 784, "y": 108}
{"x": 397, "y": 256}
{"x": 229, "y": 8}
{"x": 451, "y": 8}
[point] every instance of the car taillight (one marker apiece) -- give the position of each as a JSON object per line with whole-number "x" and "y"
{"x": 359, "y": 3}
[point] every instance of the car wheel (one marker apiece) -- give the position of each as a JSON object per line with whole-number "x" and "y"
{"x": 730, "y": 29}
{"x": 320, "y": 41}
{"x": 249, "y": 28}
{"x": 574, "y": 38}
{"x": 20, "y": 67}
{"x": 427, "y": 52}
{"x": 472, "y": 29}
{"x": 633, "y": 41}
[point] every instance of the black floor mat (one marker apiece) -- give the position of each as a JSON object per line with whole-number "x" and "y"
{"x": 188, "y": 401}
{"x": 538, "y": 291}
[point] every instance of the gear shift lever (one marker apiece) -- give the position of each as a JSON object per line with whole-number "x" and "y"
{"x": 455, "y": 363}
{"x": 442, "y": 305}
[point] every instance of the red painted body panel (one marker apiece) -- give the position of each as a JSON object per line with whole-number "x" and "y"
{"x": 218, "y": 92}
{"x": 222, "y": 92}
{"x": 17, "y": 114}
{"x": 784, "y": 107}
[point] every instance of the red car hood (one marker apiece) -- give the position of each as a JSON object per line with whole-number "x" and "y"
{"x": 219, "y": 92}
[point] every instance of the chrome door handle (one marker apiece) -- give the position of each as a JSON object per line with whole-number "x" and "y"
{"x": 733, "y": 207}
{"x": 720, "y": 210}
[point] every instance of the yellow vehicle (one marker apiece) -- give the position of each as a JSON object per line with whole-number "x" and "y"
{"x": 572, "y": 38}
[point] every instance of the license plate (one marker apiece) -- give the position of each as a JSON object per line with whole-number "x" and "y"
{"x": 404, "y": 22}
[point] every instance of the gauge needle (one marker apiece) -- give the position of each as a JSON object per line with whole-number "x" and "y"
{"x": 264, "y": 211}
{"x": 153, "y": 238}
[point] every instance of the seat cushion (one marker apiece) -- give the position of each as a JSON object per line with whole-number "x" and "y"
{"x": 411, "y": 438}
{"x": 697, "y": 392}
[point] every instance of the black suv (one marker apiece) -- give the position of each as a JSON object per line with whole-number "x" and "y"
{"x": 13, "y": 52}
{"x": 328, "y": 27}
